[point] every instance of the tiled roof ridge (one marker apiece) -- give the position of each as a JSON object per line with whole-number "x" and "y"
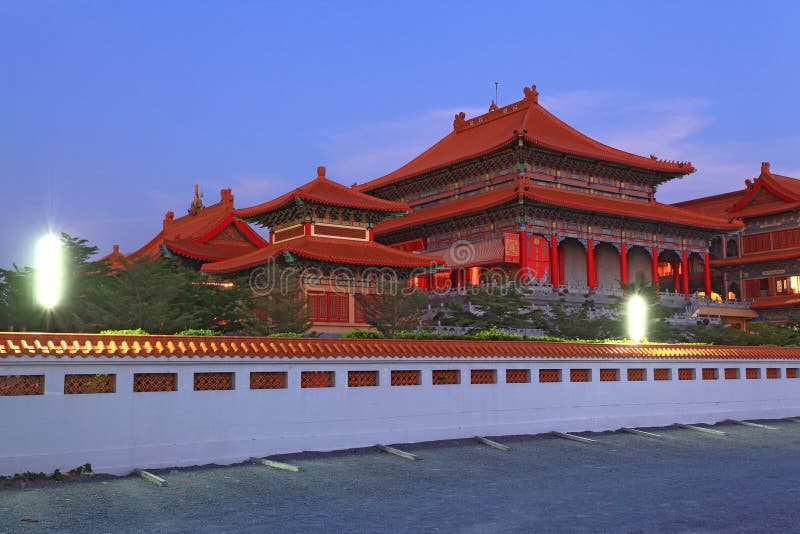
{"x": 96, "y": 346}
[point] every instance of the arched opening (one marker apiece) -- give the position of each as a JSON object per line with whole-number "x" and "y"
{"x": 734, "y": 292}
{"x": 669, "y": 271}
{"x": 607, "y": 258}
{"x": 696, "y": 273}
{"x": 640, "y": 271}
{"x": 572, "y": 256}
{"x": 715, "y": 248}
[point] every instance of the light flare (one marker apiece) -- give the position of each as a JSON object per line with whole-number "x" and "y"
{"x": 49, "y": 271}
{"x": 637, "y": 318}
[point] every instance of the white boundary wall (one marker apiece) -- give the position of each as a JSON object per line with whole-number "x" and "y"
{"x": 117, "y": 432}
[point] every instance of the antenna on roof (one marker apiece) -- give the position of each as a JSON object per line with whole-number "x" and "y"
{"x": 496, "y": 85}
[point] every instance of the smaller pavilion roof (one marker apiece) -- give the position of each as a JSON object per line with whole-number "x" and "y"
{"x": 208, "y": 234}
{"x": 767, "y": 194}
{"x": 650, "y": 211}
{"x": 324, "y": 191}
{"x": 759, "y": 257}
{"x": 777, "y": 301}
{"x": 328, "y": 250}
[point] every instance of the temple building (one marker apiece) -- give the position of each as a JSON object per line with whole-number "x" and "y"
{"x": 761, "y": 263}
{"x": 518, "y": 189}
{"x": 324, "y": 231}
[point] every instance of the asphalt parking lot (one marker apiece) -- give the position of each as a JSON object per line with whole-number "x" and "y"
{"x": 686, "y": 481}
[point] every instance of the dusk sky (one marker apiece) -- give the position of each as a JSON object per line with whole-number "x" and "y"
{"x": 110, "y": 112}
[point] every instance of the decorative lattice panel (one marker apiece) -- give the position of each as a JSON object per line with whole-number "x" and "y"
{"x": 579, "y": 375}
{"x": 360, "y": 379}
{"x": 316, "y": 379}
{"x": 13, "y": 385}
{"x": 791, "y": 372}
{"x": 518, "y": 376}
{"x": 143, "y": 382}
{"x": 731, "y": 373}
{"x": 609, "y": 375}
{"x": 213, "y": 381}
{"x": 636, "y": 375}
{"x": 710, "y": 373}
{"x": 268, "y": 380}
{"x": 483, "y": 376}
{"x": 442, "y": 377}
{"x": 97, "y": 383}
{"x": 406, "y": 378}
{"x": 660, "y": 374}
{"x": 752, "y": 373}
{"x": 685, "y": 374}
{"x": 549, "y": 375}
{"x": 773, "y": 372}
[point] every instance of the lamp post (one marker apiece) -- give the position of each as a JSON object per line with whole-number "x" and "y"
{"x": 637, "y": 318}
{"x": 48, "y": 274}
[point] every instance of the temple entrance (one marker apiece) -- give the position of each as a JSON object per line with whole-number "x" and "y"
{"x": 572, "y": 255}
{"x": 669, "y": 275}
{"x": 640, "y": 270}
{"x": 607, "y": 257}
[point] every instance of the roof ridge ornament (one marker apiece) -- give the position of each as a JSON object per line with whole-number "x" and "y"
{"x": 197, "y": 201}
{"x": 765, "y": 168}
{"x": 493, "y": 107}
{"x": 460, "y": 122}
{"x": 321, "y": 173}
{"x": 531, "y": 94}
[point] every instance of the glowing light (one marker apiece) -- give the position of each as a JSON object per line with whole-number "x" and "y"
{"x": 48, "y": 271}
{"x": 637, "y": 318}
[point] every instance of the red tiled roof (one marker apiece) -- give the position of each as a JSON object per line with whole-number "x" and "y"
{"x": 327, "y": 249}
{"x": 783, "y": 190}
{"x": 651, "y": 211}
{"x": 759, "y": 257}
{"x": 324, "y": 191}
{"x": 778, "y": 301}
{"x": 480, "y": 135}
{"x": 210, "y": 251}
{"x": 201, "y": 228}
{"x": 96, "y": 346}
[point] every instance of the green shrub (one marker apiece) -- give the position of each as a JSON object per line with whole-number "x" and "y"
{"x": 287, "y": 334}
{"x": 198, "y": 332}
{"x": 362, "y": 334}
{"x": 135, "y": 332}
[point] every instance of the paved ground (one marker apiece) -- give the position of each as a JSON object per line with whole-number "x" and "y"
{"x": 687, "y": 481}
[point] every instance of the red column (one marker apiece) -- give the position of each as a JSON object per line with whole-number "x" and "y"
{"x": 591, "y": 265}
{"x": 523, "y": 255}
{"x": 654, "y": 264}
{"x": 623, "y": 263}
{"x": 707, "y": 274}
{"x": 307, "y": 228}
{"x": 685, "y": 271}
{"x": 554, "y": 263}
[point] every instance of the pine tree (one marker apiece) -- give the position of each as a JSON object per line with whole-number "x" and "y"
{"x": 393, "y": 307}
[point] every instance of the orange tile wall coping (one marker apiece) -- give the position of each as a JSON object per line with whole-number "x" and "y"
{"x": 16, "y": 344}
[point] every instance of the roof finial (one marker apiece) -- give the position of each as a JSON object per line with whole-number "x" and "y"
{"x": 765, "y": 167}
{"x": 531, "y": 94}
{"x": 493, "y": 107}
{"x": 197, "y": 201}
{"x": 321, "y": 172}
{"x": 460, "y": 121}
{"x": 496, "y": 86}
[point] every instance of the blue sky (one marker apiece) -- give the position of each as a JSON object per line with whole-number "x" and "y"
{"x": 110, "y": 112}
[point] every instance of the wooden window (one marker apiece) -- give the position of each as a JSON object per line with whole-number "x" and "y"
{"x": 268, "y": 380}
{"x": 752, "y": 373}
{"x": 580, "y": 375}
{"x": 549, "y": 375}
{"x": 360, "y": 379}
{"x": 316, "y": 379}
{"x": 661, "y": 374}
{"x": 152, "y": 382}
{"x": 90, "y": 383}
{"x": 731, "y": 373}
{"x": 15, "y": 385}
{"x": 518, "y": 376}
{"x": 406, "y": 378}
{"x": 773, "y": 372}
{"x": 636, "y": 375}
{"x": 442, "y": 377}
{"x": 791, "y": 372}
{"x": 330, "y": 307}
{"x": 483, "y": 376}
{"x": 686, "y": 374}
{"x": 213, "y": 381}
{"x": 710, "y": 373}
{"x": 609, "y": 375}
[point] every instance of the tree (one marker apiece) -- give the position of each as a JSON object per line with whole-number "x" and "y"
{"x": 285, "y": 309}
{"x": 581, "y": 322}
{"x": 393, "y": 307}
{"x": 491, "y": 306}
